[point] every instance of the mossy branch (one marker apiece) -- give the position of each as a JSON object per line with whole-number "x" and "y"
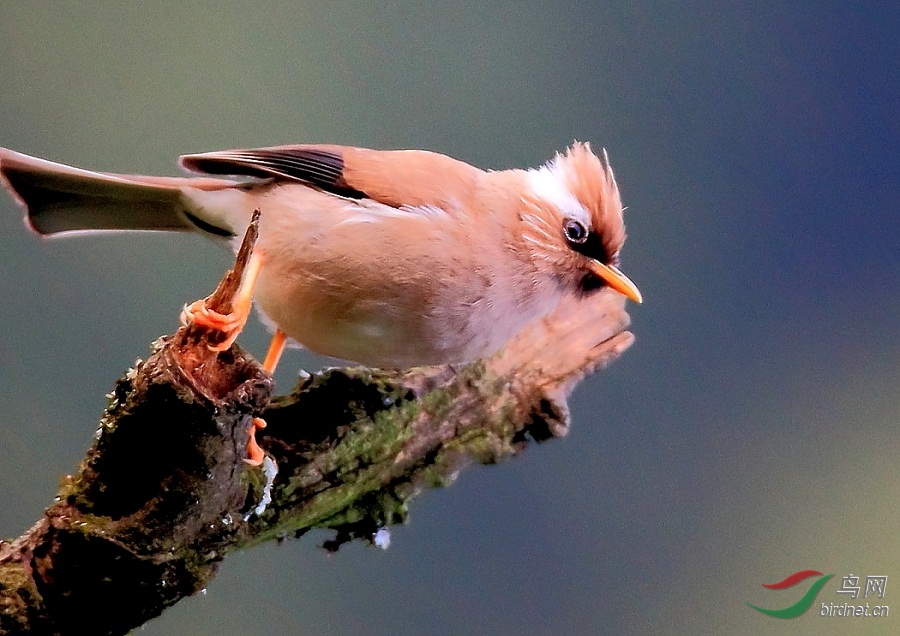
{"x": 164, "y": 494}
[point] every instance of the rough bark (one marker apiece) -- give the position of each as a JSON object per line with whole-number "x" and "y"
{"x": 164, "y": 494}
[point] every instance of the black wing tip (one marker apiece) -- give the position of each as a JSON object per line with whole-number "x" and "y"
{"x": 219, "y": 163}
{"x": 323, "y": 169}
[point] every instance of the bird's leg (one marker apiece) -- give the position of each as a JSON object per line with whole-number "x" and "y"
{"x": 235, "y": 298}
{"x": 275, "y": 351}
{"x": 255, "y": 453}
{"x": 233, "y": 322}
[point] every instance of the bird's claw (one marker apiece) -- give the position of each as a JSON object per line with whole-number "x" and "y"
{"x": 255, "y": 453}
{"x": 230, "y": 324}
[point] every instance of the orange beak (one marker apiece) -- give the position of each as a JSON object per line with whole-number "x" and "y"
{"x": 617, "y": 280}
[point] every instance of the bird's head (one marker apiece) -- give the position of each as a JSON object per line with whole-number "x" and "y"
{"x": 572, "y": 221}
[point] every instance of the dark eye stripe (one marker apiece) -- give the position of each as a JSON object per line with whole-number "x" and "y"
{"x": 593, "y": 248}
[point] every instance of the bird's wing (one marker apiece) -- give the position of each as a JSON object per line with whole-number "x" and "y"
{"x": 397, "y": 178}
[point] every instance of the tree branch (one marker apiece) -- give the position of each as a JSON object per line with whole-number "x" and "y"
{"x": 164, "y": 494}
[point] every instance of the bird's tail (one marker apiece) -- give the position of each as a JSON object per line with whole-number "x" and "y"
{"x": 60, "y": 198}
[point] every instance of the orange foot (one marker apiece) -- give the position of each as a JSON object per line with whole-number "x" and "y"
{"x": 255, "y": 453}
{"x": 231, "y": 324}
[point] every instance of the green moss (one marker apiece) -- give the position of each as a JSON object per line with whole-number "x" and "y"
{"x": 363, "y": 484}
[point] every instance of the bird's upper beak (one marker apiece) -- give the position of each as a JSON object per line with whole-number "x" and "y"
{"x": 617, "y": 280}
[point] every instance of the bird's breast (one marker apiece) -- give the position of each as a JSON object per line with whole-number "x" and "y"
{"x": 390, "y": 289}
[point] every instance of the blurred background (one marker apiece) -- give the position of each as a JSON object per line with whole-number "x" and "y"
{"x": 751, "y": 431}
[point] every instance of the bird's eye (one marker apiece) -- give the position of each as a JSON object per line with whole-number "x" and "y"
{"x": 575, "y": 231}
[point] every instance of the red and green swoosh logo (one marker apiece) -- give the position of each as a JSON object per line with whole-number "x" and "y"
{"x": 795, "y": 610}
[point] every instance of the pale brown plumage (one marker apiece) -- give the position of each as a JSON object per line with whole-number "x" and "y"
{"x": 388, "y": 258}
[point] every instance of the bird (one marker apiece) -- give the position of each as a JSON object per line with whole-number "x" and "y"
{"x": 387, "y": 258}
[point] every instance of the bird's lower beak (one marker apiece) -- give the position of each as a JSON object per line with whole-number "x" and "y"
{"x": 617, "y": 280}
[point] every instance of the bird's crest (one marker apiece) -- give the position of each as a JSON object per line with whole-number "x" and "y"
{"x": 591, "y": 181}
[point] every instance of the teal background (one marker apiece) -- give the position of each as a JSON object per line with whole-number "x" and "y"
{"x": 752, "y": 430}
